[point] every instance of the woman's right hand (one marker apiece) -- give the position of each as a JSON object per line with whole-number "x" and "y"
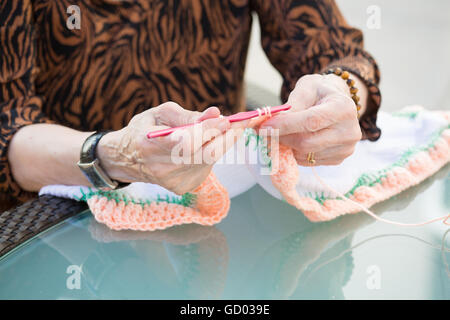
{"x": 127, "y": 155}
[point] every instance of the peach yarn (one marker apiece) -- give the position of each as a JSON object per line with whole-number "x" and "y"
{"x": 212, "y": 200}
{"x": 418, "y": 168}
{"x": 212, "y": 205}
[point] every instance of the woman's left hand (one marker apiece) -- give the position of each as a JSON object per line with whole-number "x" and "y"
{"x": 323, "y": 120}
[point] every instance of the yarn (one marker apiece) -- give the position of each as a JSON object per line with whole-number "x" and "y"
{"x": 210, "y": 205}
{"x": 134, "y": 208}
{"x": 373, "y": 215}
{"x": 286, "y": 179}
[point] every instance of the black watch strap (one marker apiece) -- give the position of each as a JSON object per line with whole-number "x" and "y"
{"x": 91, "y": 167}
{"x": 88, "y": 150}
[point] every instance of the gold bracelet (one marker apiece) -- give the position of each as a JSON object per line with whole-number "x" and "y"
{"x": 345, "y": 75}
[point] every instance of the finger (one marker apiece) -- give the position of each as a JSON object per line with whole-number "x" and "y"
{"x": 316, "y": 118}
{"x": 211, "y": 112}
{"x": 193, "y": 138}
{"x": 240, "y": 124}
{"x": 314, "y": 141}
{"x": 214, "y": 150}
{"x": 172, "y": 114}
{"x": 216, "y": 145}
{"x": 304, "y": 94}
{"x": 329, "y": 156}
{"x": 327, "y": 139}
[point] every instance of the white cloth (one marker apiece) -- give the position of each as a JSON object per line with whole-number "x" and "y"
{"x": 410, "y": 129}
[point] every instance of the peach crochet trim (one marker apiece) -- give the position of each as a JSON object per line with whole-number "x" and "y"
{"x": 418, "y": 168}
{"x": 212, "y": 200}
{"x": 212, "y": 205}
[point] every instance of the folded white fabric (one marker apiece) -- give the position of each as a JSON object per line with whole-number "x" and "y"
{"x": 415, "y": 143}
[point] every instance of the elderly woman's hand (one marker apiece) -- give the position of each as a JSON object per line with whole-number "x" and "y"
{"x": 127, "y": 155}
{"x": 323, "y": 120}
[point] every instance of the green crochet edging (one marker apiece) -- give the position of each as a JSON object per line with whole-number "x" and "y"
{"x": 369, "y": 180}
{"x": 250, "y": 133}
{"x": 264, "y": 150}
{"x": 406, "y": 114}
{"x": 186, "y": 200}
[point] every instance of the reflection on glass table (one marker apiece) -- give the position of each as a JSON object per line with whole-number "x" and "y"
{"x": 264, "y": 249}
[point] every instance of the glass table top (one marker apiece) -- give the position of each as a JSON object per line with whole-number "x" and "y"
{"x": 264, "y": 249}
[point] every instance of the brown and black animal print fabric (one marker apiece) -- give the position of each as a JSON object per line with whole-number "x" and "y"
{"x": 131, "y": 55}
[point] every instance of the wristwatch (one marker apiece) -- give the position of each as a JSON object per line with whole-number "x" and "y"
{"x": 90, "y": 165}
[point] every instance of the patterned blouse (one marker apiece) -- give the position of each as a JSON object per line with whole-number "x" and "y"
{"x": 130, "y": 55}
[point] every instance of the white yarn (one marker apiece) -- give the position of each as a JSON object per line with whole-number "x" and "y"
{"x": 398, "y": 135}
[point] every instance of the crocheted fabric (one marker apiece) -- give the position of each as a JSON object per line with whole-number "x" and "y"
{"x": 414, "y": 145}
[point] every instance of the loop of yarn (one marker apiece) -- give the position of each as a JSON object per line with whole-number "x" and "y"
{"x": 212, "y": 202}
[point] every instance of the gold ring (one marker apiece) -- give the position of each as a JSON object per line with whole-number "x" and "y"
{"x": 310, "y": 158}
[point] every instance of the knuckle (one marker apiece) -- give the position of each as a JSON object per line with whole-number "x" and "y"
{"x": 135, "y": 118}
{"x": 344, "y": 154}
{"x": 308, "y": 78}
{"x": 349, "y": 107}
{"x": 170, "y": 106}
{"x": 314, "y": 122}
{"x": 344, "y": 103}
{"x": 350, "y": 141}
{"x": 347, "y": 153}
{"x": 143, "y": 116}
{"x": 341, "y": 98}
{"x": 351, "y": 136}
{"x": 355, "y": 134}
{"x": 283, "y": 127}
{"x": 303, "y": 147}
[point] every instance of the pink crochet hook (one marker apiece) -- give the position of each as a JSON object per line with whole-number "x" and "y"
{"x": 241, "y": 116}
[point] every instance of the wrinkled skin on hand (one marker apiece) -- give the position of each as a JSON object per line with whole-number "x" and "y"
{"x": 129, "y": 156}
{"x": 323, "y": 119}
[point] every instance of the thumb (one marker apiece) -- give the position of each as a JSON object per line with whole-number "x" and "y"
{"x": 172, "y": 114}
{"x": 304, "y": 94}
{"x": 210, "y": 113}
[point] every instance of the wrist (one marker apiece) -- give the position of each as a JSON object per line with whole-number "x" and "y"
{"x": 355, "y": 87}
{"x": 110, "y": 158}
{"x": 339, "y": 84}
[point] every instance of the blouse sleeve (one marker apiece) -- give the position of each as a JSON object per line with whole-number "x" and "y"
{"x": 19, "y": 105}
{"x": 310, "y": 36}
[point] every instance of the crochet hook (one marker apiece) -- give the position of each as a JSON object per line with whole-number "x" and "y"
{"x": 241, "y": 116}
